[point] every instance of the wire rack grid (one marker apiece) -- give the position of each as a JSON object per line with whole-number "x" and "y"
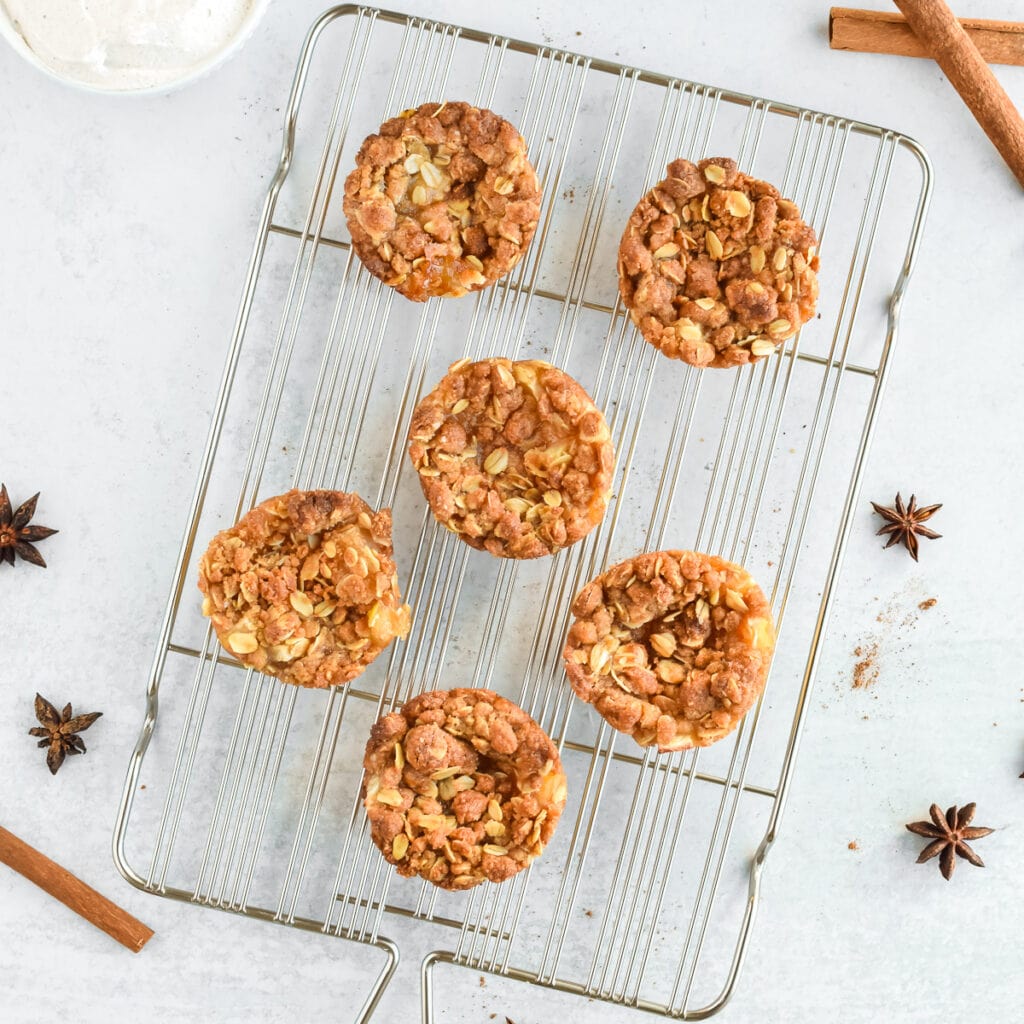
{"x": 647, "y": 894}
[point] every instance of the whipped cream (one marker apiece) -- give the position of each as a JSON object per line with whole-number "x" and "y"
{"x": 126, "y": 44}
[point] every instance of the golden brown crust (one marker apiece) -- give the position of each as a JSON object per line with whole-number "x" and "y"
{"x": 715, "y": 267}
{"x": 304, "y": 587}
{"x": 462, "y": 786}
{"x": 672, "y": 647}
{"x": 512, "y": 456}
{"x": 442, "y": 201}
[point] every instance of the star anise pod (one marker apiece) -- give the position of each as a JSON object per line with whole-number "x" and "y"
{"x": 60, "y": 731}
{"x": 903, "y": 523}
{"x": 949, "y": 833}
{"x": 16, "y": 536}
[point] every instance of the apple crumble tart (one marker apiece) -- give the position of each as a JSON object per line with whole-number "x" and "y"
{"x": 514, "y": 457}
{"x": 672, "y": 647}
{"x": 304, "y": 587}
{"x": 715, "y": 267}
{"x": 443, "y": 200}
{"x": 462, "y": 786}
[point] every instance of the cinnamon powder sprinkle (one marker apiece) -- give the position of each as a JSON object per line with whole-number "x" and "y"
{"x": 865, "y": 672}
{"x": 930, "y": 603}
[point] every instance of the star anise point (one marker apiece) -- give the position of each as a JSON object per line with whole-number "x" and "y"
{"x": 60, "y": 730}
{"x": 950, "y": 834}
{"x": 903, "y": 523}
{"x": 16, "y": 536}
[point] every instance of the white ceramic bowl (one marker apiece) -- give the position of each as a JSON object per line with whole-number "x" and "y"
{"x": 192, "y": 74}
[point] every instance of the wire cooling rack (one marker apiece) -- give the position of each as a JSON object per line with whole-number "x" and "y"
{"x": 647, "y": 893}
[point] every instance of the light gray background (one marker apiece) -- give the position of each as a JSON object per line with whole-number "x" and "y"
{"x": 125, "y": 229}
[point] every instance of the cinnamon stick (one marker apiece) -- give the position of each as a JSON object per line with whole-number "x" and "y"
{"x": 73, "y": 892}
{"x": 950, "y": 46}
{"x": 999, "y": 42}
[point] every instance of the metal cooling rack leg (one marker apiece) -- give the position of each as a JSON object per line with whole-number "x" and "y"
{"x": 368, "y": 1007}
{"x": 427, "y": 981}
{"x": 572, "y": 988}
{"x": 427, "y": 984}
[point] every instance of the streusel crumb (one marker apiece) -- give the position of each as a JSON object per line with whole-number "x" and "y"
{"x": 513, "y": 456}
{"x": 304, "y": 587}
{"x": 715, "y": 267}
{"x": 672, "y": 647}
{"x": 462, "y": 786}
{"x": 442, "y": 201}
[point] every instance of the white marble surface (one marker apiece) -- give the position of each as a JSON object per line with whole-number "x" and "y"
{"x": 126, "y": 224}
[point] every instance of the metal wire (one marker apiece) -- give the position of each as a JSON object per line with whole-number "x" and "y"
{"x": 226, "y": 863}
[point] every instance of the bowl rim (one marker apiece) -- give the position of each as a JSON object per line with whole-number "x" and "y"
{"x": 213, "y": 60}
